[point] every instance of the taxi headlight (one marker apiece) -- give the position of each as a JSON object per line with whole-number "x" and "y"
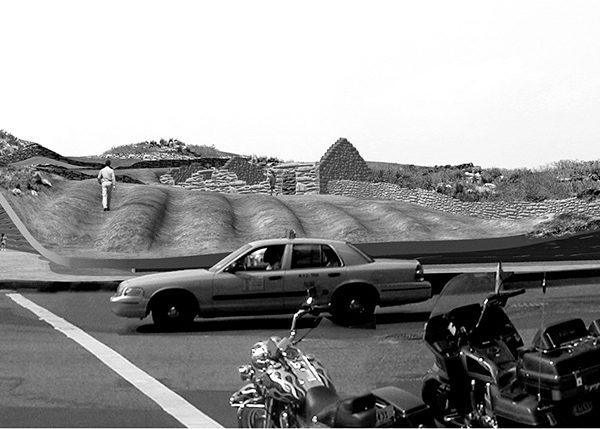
{"x": 133, "y": 291}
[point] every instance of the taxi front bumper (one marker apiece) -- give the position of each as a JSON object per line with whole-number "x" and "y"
{"x": 129, "y": 306}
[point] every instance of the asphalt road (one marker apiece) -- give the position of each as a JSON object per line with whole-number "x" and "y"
{"x": 49, "y": 380}
{"x": 576, "y": 247}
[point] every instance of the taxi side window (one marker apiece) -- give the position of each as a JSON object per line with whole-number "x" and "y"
{"x": 330, "y": 258}
{"x": 264, "y": 259}
{"x": 314, "y": 256}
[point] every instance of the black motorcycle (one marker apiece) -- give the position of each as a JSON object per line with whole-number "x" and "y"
{"x": 484, "y": 376}
{"x": 288, "y": 388}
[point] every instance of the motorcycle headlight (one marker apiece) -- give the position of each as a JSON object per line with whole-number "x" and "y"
{"x": 246, "y": 372}
{"x": 260, "y": 355}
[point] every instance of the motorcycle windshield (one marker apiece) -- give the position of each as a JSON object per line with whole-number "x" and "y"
{"x": 462, "y": 296}
{"x": 464, "y": 290}
{"x": 566, "y": 296}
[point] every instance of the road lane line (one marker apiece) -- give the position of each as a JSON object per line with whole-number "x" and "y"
{"x": 168, "y": 400}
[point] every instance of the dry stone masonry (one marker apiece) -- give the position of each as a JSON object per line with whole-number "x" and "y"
{"x": 482, "y": 209}
{"x": 238, "y": 175}
{"x": 251, "y": 173}
{"x": 342, "y": 171}
{"x": 296, "y": 178}
{"x": 342, "y": 161}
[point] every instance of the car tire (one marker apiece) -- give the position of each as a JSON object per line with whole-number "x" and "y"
{"x": 352, "y": 307}
{"x": 172, "y": 311}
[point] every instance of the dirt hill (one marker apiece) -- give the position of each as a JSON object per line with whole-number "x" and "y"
{"x": 157, "y": 220}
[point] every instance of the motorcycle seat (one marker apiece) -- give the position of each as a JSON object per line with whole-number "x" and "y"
{"x": 356, "y": 411}
{"x": 318, "y": 398}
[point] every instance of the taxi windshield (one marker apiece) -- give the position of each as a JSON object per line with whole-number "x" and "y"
{"x": 229, "y": 258}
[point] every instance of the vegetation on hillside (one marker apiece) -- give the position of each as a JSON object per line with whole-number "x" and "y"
{"x": 170, "y": 146}
{"x": 467, "y": 182}
{"x": 9, "y": 143}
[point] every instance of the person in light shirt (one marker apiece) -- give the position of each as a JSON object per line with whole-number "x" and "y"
{"x": 108, "y": 181}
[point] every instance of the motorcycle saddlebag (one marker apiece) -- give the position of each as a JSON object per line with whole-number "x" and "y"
{"x": 408, "y": 409}
{"x": 564, "y": 362}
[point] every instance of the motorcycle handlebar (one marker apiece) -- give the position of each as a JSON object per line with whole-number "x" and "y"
{"x": 511, "y": 293}
{"x": 307, "y": 308}
{"x": 314, "y": 309}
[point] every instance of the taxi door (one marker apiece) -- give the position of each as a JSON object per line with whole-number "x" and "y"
{"x": 312, "y": 265}
{"x": 251, "y": 287}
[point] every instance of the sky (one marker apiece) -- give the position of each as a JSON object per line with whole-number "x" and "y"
{"x": 497, "y": 83}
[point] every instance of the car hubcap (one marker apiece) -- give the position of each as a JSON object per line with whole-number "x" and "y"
{"x": 173, "y": 312}
{"x": 356, "y": 306}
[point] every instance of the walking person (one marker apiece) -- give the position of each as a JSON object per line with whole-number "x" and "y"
{"x": 3, "y": 240}
{"x": 108, "y": 181}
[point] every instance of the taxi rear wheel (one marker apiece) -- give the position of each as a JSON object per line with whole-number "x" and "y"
{"x": 352, "y": 307}
{"x": 172, "y": 311}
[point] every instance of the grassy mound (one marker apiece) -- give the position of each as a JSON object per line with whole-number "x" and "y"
{"x": 158, "y": 221}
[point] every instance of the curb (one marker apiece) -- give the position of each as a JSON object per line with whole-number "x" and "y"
{"x": 61, "y": 286}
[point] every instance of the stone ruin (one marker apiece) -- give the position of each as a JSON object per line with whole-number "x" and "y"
{"x": 342, "y": 162}
{"x": 239, "y": 175}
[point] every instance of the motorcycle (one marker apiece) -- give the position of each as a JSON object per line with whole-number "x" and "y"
{"x": 288, "y": 388}
{"x": 483, "y": 374}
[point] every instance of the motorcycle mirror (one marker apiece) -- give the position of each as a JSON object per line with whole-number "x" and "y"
{"x": 499, "y": 278}
{"x": 313, "y": 324}
{"x": 308, "y": 304}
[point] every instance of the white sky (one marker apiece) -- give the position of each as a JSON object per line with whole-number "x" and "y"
{"x": 497, "y": 83}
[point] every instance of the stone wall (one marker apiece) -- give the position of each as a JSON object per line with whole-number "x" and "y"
{"x": 342, "y": 161}
{"x": 251, "y": 173}
{"x": 219, "y": 180}
{"x": 296, "y": 178}
{"x": 484, "y": 209}
{"x": 240, "y": 176}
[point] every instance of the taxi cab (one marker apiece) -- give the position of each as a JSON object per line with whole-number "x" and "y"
{"x": 272, "y": 277}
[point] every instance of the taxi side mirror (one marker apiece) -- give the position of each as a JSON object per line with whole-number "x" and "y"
{"x": 235, "y": 266}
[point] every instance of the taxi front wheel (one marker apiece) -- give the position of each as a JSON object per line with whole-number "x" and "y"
{"x": 172, "y": 311}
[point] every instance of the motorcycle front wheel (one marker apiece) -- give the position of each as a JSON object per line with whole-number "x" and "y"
{"x": 253, "y": 418}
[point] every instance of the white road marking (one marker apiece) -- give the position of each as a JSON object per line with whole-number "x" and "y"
{"x": 168, "y": 400}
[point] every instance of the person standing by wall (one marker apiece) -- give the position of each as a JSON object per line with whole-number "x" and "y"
{"x": 272, "y": 180}
{"x": 108, "y": 181}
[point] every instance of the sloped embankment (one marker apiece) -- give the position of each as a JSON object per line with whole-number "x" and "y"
{"x": 159, "y": 221}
